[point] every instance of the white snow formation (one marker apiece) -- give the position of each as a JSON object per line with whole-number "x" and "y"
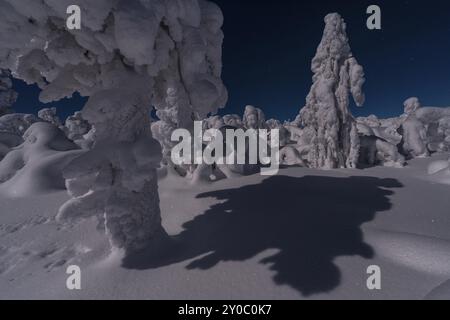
{"x": 36, "y": 165}
{"x": 49, "y": 115}
{"x": 7, "y": 95}
{"x": 326, "y": 116}
{"x": 128, "y": 56}
{"x": 12, "y": 127}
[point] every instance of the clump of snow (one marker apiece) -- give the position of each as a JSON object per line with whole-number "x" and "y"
{"x": 35, "y": 166}
{"x": 17, "y": 123}
{"x": 7, "y": 95}
{"x": 12, "y": 127}
{"x": 49, "y": 115}
{"x": 411, "y": 105}
{"x": 77, "y": 129}
{"x": 326, "y": 116}
{"x": 414, "y": 131}
{"x": 254, "y": 118}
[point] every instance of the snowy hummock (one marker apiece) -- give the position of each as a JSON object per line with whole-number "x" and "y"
{"x": 35, "y": 166}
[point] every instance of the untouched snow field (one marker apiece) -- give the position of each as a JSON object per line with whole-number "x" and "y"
{"x": 302, "y": 234}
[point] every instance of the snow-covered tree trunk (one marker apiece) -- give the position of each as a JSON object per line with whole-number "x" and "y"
{"x": 326, "y": 116}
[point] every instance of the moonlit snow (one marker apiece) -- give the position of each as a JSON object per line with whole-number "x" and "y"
{"x": 99, "y": 189}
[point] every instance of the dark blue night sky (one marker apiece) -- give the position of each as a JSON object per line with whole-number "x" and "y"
{"x": 269, "y": 46}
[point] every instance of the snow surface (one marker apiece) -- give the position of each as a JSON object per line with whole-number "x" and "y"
{"x": 248, "y": 238}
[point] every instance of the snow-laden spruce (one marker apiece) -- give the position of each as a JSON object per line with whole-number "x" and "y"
{"x": 326, "y": 118}
{"x": 128, "y": 56}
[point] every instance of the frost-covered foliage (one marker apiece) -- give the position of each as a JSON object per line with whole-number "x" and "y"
{"x": 49, "y": 115}
{"x": 233, "y": 120}
{"x": 387, "y": 129}
{"x": 254, "y": 118}
{"x": 377, "y": 151}
{"x": 7, "y": 95}
{"x": 326, "y": 117}
{"x": 128, "y": 56}
{"x": 425, "y": 130}
{"x": 77, "y": 129}
{"x": 437, "y": 124}
{"x": 418, "y": 132}
{"x": 35, "y": 166}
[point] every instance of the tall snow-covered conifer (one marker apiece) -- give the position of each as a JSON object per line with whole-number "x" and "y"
{"x": 326, "y": 116}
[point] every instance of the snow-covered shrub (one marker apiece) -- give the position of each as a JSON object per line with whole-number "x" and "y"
{"x": 36, "y": 165}
{"x": 411, "y": 105}
{"x": 77, "y": 129}
{"x": 126, "y": 57}
{"x": 12, "y": 128}
{"x": 214, "y": 122}
{"x": 285, "y": 136}
{"x": 49, "y": 115}
{"x": 437, "y": 124}
{"x": 233, "y": 120}
{"x": 17, "y": 123}
{"x": 326, "y": 116}
{"x": 424, "y": 129}
{"x": 7, "y": 95}
{"x": 414, "y": 132}
{"x": 254, "y": 118}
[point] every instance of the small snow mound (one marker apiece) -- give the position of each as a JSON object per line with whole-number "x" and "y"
{"x": 441, "y": 292}
{"x": 438, "y": 166}
{"x": 421, "y": 253}
{"x": 35, "y": 166}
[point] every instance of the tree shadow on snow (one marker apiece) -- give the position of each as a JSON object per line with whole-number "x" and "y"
{"x": 310, "y": 220}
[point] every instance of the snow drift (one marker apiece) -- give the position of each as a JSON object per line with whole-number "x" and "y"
{"x": 35, "y": 167}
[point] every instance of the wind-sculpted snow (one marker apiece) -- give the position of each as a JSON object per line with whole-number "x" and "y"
{"x": 12, "y": 127}
{"x": 128, "y": 56}
{"x": 439, "y": 171}
{"x": 35, "y": 166}
{"x": 326, "y": 116}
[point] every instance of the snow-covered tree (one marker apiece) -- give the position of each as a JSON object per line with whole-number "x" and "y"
{"x": 254, "y": 118}
{"x": 126, "y": 57}
{"x": 414, "y": 142}
{"x": 76, "y": 126}
{"x": 326, "y": 116}
{"x": 7, "y": 95}
{"x": 49, "y": 115}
